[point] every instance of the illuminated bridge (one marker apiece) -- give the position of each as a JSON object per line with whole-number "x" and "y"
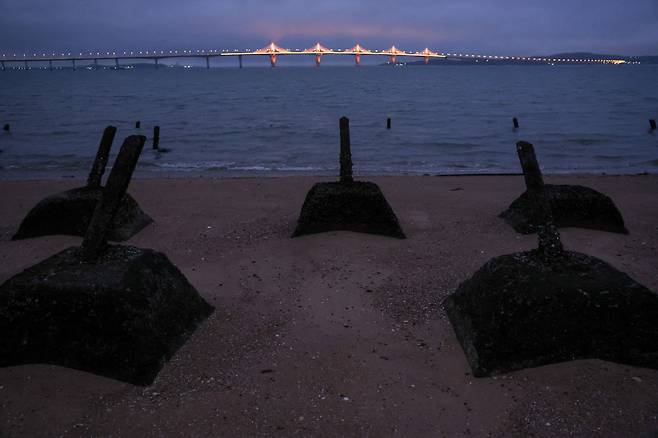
{"x": 318, "y": 50}
{"x": 272, "y": 51}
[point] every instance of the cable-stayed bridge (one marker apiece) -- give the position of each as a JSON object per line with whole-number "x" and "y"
{"x": 273, "y": 52}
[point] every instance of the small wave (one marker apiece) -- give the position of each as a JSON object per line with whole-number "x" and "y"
{"x": 249, "y": 168}
{"x": 281, "y": 168}
{"x": 201, "y": 165}
{"x": 609, "y": 157}
{"x": 301, "y": 168}
{"x": 76, "y": 166}
{"x": 590, "y": 141}
{"x": 444, "y": 145}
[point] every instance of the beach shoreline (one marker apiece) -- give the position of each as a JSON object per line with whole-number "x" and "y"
{"x": 20, "y": 176}
{"x": 336, "y": 333}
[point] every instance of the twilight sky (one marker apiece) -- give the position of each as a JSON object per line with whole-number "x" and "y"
{"x": 505, "y": 27}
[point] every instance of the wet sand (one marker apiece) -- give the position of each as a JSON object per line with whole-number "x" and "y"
{"x": 335, "y": 334}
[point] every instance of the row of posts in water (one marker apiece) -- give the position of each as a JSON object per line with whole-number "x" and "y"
{"x": 515, "y": 122}
{"x": 138, "y": 125}
{"x": 156, "y": 134}
{"x": 156, "y": 129}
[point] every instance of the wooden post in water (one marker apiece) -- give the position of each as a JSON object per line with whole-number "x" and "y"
{"x": 388, "y": 123}
{"x": 515, "y": 121}
{"x": 95, "y": 240}
{"x": 208, "y": 62}
{"x": 138, "y": 124}
{"x": 2, "y": 63}
{"x": 550, "y": 245}
{"x": 6, "y": 127}
{"x": 73, "y": 60}
{"x": 652, "y": 123}
{"x": 102, "y": 155}
{"x": 156, "y": 137}
{"x": 240, "y": 60}
{"x": 345, "y": 151}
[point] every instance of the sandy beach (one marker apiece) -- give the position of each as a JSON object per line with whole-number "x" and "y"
{"x": 335, "y": 334}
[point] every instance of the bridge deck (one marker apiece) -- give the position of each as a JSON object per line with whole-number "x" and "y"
{"x": 273, "y": 51}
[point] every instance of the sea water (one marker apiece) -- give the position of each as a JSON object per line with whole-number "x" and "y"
{"x": 230, "y": 121}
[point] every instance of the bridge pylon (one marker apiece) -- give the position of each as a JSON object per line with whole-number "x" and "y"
{"x": 358, "y": 50}
{"x": 319, "y": 50}
{"x": 393, "y": 52}
{"x": 272, "y": 50}
{"x": 426, "y": 55}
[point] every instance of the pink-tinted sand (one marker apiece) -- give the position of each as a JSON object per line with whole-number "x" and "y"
{"x": 335, "y": 334}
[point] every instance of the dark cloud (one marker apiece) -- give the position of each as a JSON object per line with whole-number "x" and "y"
{"x": 503, "y": 26}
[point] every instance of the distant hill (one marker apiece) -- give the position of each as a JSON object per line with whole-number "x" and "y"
{"x": 573, "y": 55}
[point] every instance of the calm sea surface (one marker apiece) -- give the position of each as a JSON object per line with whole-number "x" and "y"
{"x": 226, "y": 121}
